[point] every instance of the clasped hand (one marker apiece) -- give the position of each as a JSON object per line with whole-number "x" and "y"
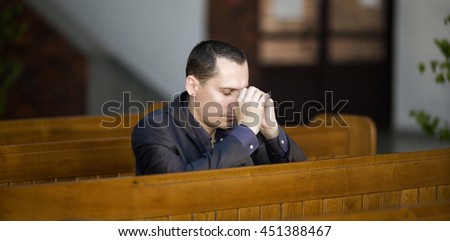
{"x": 256, "y": 110}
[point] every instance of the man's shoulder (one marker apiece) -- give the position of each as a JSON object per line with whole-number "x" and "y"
{"x": 157, "y": 118}
{"x": 171, "y": 116}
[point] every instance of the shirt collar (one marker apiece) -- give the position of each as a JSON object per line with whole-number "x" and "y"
{"x": 202, "y": 134}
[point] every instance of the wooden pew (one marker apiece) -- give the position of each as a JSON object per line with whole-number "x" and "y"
{"x": 63, "y": 129}
{"x": 52, "y": 129}
{"x": 65, "y": 145}
{"x": 56, "y": 129}
{"x": 75, "y": 160}
{"x": 433, "y": 211}
{"x": 330, "y": 135}
{"x": 294, "y": 191}
{"x": 356, "y": 137}
{"x": 108, "y": 157}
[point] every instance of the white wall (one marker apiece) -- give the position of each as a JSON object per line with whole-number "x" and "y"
{"x": 417, "y": 23}
{"x": 152, "y": 38}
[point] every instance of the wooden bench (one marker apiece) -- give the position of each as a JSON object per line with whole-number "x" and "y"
{"x": 109, "y": 157}
{"x": 52, "y": 129}
{"x": 17, "y": 132}
{"x": 66, "y": 161}
{"x": 63, "y": 129}
{"x": 329, "y": 136}
{"x": 293, "y": 191}
{"x": 433, "y": 211}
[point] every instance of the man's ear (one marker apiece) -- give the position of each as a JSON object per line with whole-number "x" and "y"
{"x": 191, "y": 85}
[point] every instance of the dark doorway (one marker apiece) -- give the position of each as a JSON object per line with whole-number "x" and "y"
{"x": 314, "y": 55}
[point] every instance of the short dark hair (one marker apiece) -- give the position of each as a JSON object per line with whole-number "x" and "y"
{"x": 202, "y": 60}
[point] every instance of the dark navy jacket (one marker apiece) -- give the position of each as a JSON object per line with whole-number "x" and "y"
{"x": 165, "y": 141}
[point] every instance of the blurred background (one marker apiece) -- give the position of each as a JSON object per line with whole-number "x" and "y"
{"x": 65, "y": 57}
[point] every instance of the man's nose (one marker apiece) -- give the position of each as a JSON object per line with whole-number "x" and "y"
{"x": 232, "y": 105}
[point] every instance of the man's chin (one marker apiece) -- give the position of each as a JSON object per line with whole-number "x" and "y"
{"x": 229, "y": 123}
{"x": 222, "y": 123}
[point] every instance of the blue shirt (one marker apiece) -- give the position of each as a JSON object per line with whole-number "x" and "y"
{"x": 245, "y": 135}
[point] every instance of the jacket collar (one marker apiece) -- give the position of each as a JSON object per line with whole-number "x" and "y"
{"x": 180, "y": 111}
{"x": 184, "y": 119}
{"x": 178, "y": 108}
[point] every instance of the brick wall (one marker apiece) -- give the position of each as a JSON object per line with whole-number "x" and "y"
{"x": 54, "y": 77}
{"x": 235, "y": 21}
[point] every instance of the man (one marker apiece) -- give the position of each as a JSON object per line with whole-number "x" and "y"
{"x": 218, "y": 122}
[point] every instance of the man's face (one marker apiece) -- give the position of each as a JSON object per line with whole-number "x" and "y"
{"x": 217, "y": 96}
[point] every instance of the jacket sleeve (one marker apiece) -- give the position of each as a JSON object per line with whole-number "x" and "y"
{"x": 156, "y": 151}
{"x": 291, "y": 152}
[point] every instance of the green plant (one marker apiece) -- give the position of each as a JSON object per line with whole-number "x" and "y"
{"x": 11, "y": 29}
{"x": 435, "y": 125}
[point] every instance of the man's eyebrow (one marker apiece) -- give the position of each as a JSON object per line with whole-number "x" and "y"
{"x": 227, "y": 88}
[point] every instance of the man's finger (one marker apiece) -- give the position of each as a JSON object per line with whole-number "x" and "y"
{"x": 242, "y": 94}
{"x": 269, "y": 101}
{"x": 250, "y": 94}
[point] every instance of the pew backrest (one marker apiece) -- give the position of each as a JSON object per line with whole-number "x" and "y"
{"x": 108, "y": 157}
{"x": 66, "y": 161}
{"x": 342, "y": 135}
{"x": 64, "y": 129}
{"x": 291, "y": 191}
{"x": 336, "y": 135}
{"x": 53, "y": 129}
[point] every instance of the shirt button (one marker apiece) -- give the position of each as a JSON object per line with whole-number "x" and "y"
{"x": 251, "y": 147}
{"x": 282, "y": 142}
{"x": 221, "y": 139}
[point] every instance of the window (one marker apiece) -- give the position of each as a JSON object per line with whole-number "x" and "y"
{"x": 307, "y": 32}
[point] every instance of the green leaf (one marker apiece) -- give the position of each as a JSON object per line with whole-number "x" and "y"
{"x": 447, "y": 20}
{"x": 422, "y": 68}
{"x": 444, "y": 133}
{"x": 440, "y": 78}
{"x": 434, "y": 64}
{"x": 427, "y": 123}
{"x": 441, "y": 69}
{"x": 444, "y": 46}
{"x": 445, "y": 65}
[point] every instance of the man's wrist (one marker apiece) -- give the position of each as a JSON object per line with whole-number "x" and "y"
{"x": 270, "y": 133}
{"x": 245, "y": 135}
{"x": 280, "y": 144}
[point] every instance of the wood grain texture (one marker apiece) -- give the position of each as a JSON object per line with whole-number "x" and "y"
{"x": 227, "y": 191}
{"x": 427, "y": 194}
{"x": 439, "y": 211}
{"x": 352, "y": 203}
{"x": 271, "y": 212}
{"x": 36, "y": 130}
{"x": 332, "y": 205}
{"x": 249, "y": 214}
{"x": 443, "y": 192}
{"x": 291, "y": 211}
{"x": 65, "y": 164}
{"x": 112, "y": 156}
